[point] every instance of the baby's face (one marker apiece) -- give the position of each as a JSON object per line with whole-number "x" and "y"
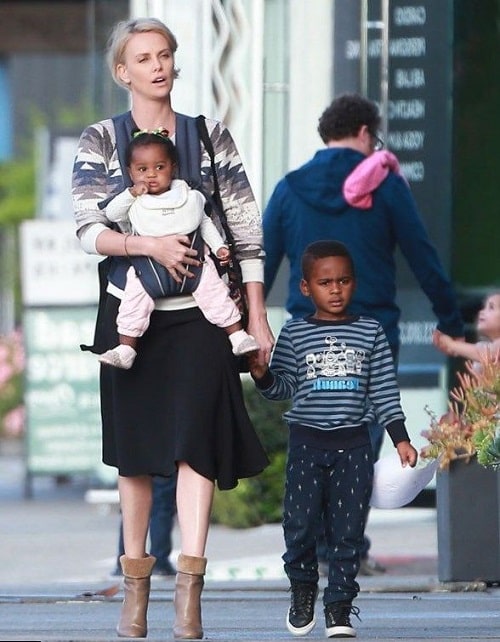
{"x": 488, "y": 319}
{"x": 152, "y": 165}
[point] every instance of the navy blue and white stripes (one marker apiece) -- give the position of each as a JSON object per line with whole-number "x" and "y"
{"x": 339, "y": 374}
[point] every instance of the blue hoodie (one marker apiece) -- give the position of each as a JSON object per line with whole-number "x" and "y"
{"x": 307, "y": 205}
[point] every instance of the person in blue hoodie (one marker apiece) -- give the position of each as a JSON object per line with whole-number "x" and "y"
{"x": 308, "y": 205}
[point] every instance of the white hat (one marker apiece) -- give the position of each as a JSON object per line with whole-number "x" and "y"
{"x": 395, "y": 486}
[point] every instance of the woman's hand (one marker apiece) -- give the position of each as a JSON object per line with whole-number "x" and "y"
{"x": 174, "y": 252}
{"x": 258, "y": 325}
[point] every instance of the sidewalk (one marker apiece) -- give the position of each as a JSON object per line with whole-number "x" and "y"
{"x": 57, "y": 552}
{"x": 58, "y": 535}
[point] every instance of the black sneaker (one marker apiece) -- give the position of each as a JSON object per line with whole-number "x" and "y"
{"x": 300, "y": 618}
{"x": 337, "y": 620}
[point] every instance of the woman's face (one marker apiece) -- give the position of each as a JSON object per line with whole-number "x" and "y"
{"x": 148, "y": 66}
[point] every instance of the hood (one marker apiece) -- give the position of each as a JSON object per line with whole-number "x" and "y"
{"x": 318, "y": 183}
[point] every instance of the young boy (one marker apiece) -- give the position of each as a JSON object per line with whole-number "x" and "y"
{"x": 338, "y": 369}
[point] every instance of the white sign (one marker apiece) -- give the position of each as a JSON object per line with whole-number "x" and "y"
{"x": 54, "y": 268}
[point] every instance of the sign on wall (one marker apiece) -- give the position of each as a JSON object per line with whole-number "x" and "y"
{"x": 61, "y": 395}
{"x": 60, "y": 293}
{"x": 54, "y": 268}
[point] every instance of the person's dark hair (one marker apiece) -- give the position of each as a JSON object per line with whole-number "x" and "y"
{"x": 345, "y": 117}
{"x": 323, "y": 250}
{"x": 144, "y": 139}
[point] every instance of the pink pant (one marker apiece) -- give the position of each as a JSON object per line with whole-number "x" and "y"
{"x": 211, "y": 296}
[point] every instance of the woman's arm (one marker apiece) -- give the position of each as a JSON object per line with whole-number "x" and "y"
{"x": 258, "y": 325}
{"x": 245, "y": 223}
{"x": 172, "y": 251}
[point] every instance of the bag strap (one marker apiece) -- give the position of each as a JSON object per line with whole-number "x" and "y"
{"x": 124, "y": 125}
{"x": 207, "y": 142}
{"x": 187, "y": 142}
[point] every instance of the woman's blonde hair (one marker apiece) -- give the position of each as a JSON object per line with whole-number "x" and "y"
{"x": 122, "y": 33}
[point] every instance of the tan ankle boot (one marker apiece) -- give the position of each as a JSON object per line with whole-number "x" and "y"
{"x": 188, "y": 586}
{"x": 136, "y": 586}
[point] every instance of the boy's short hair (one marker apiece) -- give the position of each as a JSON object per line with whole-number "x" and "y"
{"x": 144, "y": 139}
{"x": 323, "y": 250}
{"x": 345, "y": 117}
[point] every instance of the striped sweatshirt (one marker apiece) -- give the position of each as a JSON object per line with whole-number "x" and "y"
{"x": 339, "y": 375}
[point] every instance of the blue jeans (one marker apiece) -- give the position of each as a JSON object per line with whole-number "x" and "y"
{"x": 161, "y": 521}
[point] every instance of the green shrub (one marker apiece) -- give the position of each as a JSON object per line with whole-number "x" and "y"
{"x": 258, "y": 500}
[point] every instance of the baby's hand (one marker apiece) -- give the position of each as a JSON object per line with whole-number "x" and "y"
{"x": 407, "y": 454}
{"x": 139, "y": 188}
{"x": 224, "y": 255}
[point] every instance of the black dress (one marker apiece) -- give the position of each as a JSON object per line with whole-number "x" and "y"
{"x": 182, "y": 400}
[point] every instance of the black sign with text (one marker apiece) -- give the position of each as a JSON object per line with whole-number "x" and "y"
{"x": 419, "y": 124}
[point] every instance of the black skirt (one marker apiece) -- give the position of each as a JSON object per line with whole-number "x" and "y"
{"x": 182, "y": 400}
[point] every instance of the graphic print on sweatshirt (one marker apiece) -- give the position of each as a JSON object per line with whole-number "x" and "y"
{"x": 336, "y": 360}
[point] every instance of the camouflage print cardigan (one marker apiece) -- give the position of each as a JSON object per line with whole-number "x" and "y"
{"x": 97, "y": 176}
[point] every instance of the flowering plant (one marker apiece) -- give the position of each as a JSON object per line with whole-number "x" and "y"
{"x": 11, "y": 374}
{"x": 472, "y": 425}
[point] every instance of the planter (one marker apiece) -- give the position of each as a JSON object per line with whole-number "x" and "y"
{"x": 468, "y": 523}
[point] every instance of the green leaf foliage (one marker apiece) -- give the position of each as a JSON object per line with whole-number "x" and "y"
{"x": 258, "y": 500}
{"x": 17, "y": 191}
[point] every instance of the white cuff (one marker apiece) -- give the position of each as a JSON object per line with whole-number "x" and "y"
{"x": 252, "y": 270}
{"x": 89, "y": 237}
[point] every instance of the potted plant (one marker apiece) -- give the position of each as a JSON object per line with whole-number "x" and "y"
{"x": 466, "y": 441}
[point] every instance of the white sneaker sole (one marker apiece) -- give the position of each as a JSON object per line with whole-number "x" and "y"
{"x": 340, "y": 632}
{"x": 303, "y": 630}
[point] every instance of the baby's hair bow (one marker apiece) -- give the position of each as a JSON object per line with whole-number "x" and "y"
{"x": 161, "y": 132}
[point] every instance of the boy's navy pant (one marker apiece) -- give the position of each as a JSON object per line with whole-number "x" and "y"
{"x": 330, "y": 487}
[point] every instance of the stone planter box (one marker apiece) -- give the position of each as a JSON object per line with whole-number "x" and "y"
{"x": 468, "y": 523}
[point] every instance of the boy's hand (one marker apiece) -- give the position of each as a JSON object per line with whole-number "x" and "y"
{"x": 256, "y": 369}
{"x": 407, "y": 454}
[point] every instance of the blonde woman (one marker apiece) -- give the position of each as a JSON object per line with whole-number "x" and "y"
{"x": 180, "y": 407}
